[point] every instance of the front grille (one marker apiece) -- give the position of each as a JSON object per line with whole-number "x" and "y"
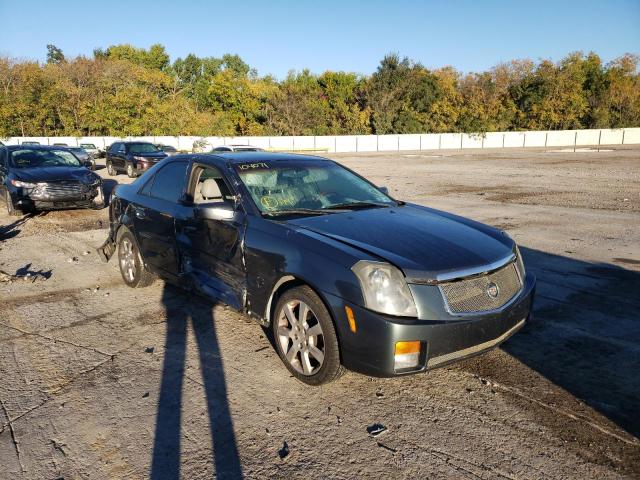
{"x": 66, "y": 189}
{"x": 470, "y": 295}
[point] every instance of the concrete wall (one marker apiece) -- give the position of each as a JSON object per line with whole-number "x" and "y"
{"x": 380, "y": 143}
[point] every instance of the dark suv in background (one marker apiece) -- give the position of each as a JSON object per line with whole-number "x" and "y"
{"x": 132, "y": 157}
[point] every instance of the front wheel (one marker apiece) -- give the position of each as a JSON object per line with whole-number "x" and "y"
{"x": 110, "y": 170}
{"x": 11, "y": 210}
{"x": 131, "y": 171}
{"x": 305, "y": 337}
{"x": 131, "y": 267}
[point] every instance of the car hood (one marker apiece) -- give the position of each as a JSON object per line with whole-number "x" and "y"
{"x": 54, "y": 174}
{"x": 424, "y": 243}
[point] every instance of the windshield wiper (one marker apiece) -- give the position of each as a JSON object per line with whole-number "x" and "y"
{"x": 357, "y": 205}
{"x": 301, "y": 211}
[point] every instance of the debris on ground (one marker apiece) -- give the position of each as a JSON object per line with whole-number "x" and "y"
{"x": 149, "y": 349}
{"x": 382, "y": 445}
{"x": 379, "y": 394}
{"x": 73, "y": 260}
{"x": 30, "y": 276}
{"x": 284, "y": 451}
{"x": 145, "y": 395}
{"x": 376, "y": 429}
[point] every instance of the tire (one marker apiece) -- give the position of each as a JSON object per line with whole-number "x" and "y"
{"x": 131, "y": 171}
{"x": 110, "y": 170}
{"x": 307, "y": 346}
{"x": 130, "y": 262}
{"x": 11, "y": 210}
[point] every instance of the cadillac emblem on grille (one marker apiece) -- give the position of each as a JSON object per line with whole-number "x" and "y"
{"x": 492, "y": 291}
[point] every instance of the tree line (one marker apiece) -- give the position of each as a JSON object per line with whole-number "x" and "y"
{"x": 124, "y": 90}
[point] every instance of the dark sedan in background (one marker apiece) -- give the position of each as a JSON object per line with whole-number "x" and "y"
{"x": 35, "y": 177}
{"x": 343, "y": 274}
{"x": 133, "y": 158}
{"x": 85, "y": 157}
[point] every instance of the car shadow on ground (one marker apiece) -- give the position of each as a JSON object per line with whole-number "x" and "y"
{"x": 12, "y": 229}
{"x": 182, "y": 310}
{"x": 585, "y": 334}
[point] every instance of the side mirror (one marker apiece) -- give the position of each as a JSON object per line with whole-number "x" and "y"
{"x": 384, "y": 190}
{"x": 88, "y": 163}
{"x": 216, "y": 211}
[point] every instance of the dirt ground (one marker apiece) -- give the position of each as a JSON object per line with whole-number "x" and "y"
{"x": 102, "y": 381}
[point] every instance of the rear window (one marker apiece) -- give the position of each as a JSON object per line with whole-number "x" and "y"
{"x": 142, "y": 148}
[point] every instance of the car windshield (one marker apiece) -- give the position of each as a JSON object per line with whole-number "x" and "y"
{"x": 90, "y": 146}
{"x": 308, "y": 186}
{"x": 143, "y": 148}
{"x": 33, "y": 158}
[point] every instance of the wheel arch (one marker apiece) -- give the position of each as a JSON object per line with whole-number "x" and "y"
{"x": 287, "y": 282}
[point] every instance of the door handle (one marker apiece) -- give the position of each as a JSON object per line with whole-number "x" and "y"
{"x": 140, "y": 213}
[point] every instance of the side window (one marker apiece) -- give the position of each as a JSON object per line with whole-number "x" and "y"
{"x": 114, "y": 147}
{"x": 169, "y": 181}
{"x": 146, "y": 189}
{"x": 209, "y": 186}
{"x": 122, "y": 148}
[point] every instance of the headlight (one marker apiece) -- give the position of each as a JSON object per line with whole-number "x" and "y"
{"x": 140, "y": 159}
{"x": 385, "y": 289}
{"x": 19, "y": 183}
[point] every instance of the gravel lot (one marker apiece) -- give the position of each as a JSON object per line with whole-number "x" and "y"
{"x": 103, "y": 381}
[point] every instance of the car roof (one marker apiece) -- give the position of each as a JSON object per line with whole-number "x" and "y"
{"x": 36, "y": 147}
{"x": 243, "y": 157}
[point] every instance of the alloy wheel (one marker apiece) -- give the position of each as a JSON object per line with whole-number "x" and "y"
{"x": 301, "y": 338}
{"x": 127, "y": 258}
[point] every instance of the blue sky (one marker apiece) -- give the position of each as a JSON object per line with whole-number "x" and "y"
{"x": 276, "y": 36}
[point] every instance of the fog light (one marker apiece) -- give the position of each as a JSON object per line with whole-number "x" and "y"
{"x": 351, "y": 318}
{"x": 407, "y": 355}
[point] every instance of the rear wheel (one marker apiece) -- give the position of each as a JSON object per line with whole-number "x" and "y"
{"x": 305, "y": 337}
{"x": 131, "y": 172}
{"x": 110, "y": 170}
{"x": 11, "y": 210}
{"x": 131, "y": 267}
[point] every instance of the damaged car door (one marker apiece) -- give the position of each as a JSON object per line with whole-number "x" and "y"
{"x": 210, "y": 239}
{"x": 154, "y": 213}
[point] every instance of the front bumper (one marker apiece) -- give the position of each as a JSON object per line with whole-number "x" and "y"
{"x": 371, "y": 349}
{"x": 25, "y": 199}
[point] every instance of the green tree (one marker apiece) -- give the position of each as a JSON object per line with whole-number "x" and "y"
{"x": 54, "y": 54}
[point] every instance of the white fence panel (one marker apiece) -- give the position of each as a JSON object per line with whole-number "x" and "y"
{"x": 40, "y": 140}
{"x": 69, "y": 141}
{"x": 514, "y": 139}
{"x": 260, "y": 142}
{"x": 326, "y": 142}
{"x": 450, "y": 140}
{"x": 167, "y": 140}
{"x": 430, "y": 141}
{"x": 409, "y": 142}
{"x": 303, "y": 143}
{"x": 561, "y": 138}
{"x": 611, "y": 137}
{"x": 366, "y": 143}
{"x": 494, "y": 140}
{"x": 282, "y": 143}
{"x": 535, "y": 139}
{"x": 346, "y": 143}
{"x": 387, "y": 143}
{"x": 588, "y": 137}
{"x": 473, "y": 140}
{"x": 631, "y": 136}
{"x": 235, "y": 140}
